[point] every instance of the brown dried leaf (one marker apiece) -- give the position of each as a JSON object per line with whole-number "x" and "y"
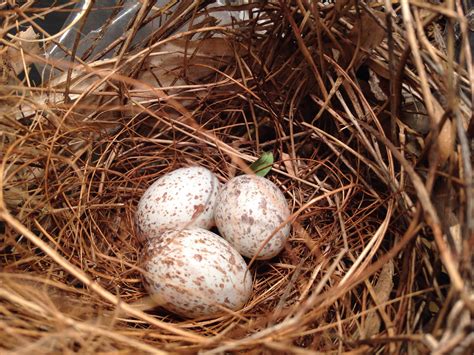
{"x": 199, "y": 57}
{"x": 14, "y": 56}
{"x": 374, "y": 82}
{"x": 384, "y": 285}
{"x": 382, "y": 290}
{"x": 287, "y": 162}
{"x": 446, "y": 141}
{"x": 371, "y": 35}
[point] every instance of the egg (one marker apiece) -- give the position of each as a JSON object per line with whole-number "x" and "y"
{"x": 182, "y": 198}
{"x": 195, "y": 273}
{"x": 249, "y": 209}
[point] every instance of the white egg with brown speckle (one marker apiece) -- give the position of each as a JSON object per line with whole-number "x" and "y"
{"x": 182, "y": 198}
{"x": 195, "y": 273}
{"x": 249, "y": 209}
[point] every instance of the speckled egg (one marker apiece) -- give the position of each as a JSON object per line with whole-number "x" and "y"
{"x": 182, "y": 198}
{"x": 249, "y": 209}
{"x": 195, "y": 273}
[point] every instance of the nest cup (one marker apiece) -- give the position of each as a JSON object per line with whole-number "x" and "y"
{"x": 378, "y": 257}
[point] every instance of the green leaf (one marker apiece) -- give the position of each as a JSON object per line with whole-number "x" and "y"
{"x": 263, "y": 165}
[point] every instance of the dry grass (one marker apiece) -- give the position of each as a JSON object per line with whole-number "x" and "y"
{"x": 379, "y": 258}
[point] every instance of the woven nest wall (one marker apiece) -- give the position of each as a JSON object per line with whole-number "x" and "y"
{"x": 366, "y": 108}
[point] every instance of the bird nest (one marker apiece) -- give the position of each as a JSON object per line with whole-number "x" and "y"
{"x": 366, "y": 108}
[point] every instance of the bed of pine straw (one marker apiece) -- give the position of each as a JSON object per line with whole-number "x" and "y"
{"x": 379, "y": 257}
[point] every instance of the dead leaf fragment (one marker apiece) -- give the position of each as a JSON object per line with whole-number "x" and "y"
{"x": 369, "y": 34}
{"x": 13, "y": 56}
{"x": 375, "y": 87}
{"x": 382, "y": 290}
{"x": 287, "y": 162}
{"x": 165, "y": 67}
